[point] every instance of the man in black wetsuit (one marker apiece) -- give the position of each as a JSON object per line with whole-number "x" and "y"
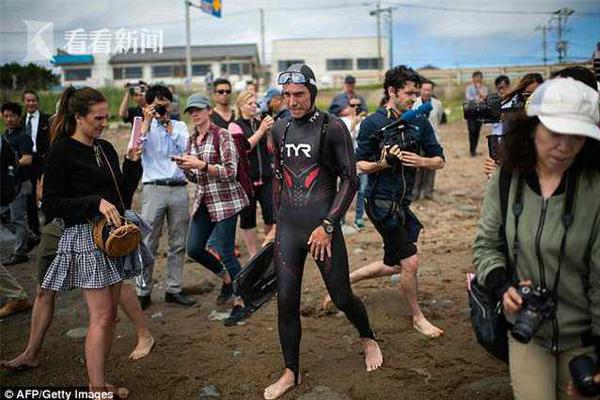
{"x": 312, "y": 150}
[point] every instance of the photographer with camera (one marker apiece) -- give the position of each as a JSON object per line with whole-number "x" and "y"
{"x": 137, "y": 92}
{"x": 502, "y": 83}
{"x": 165, "y": 194}
{"x": 513, "y": 100}
{"x": 476, "y": 92}
{"x": 391, "y": 165}
{"x": 539, "y": 250}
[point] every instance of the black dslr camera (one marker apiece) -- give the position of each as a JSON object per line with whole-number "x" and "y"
{"x": 538, "y": 306}
{"x": 490, "y": 110}
{"x": 583, "y": 370}
{"x": 160, "y": 109}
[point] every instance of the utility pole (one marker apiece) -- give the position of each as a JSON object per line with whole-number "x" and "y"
{"x": 377, "y": 13}
{"x": 544, "y": 29}
{"x": 562, "y": 45}
{"x": 390, "y": 12}
{"x": 263, "y": 61}
{"x": 188, "y": 47}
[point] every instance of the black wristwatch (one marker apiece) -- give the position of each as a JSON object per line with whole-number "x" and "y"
{"x": 328, "y": 226}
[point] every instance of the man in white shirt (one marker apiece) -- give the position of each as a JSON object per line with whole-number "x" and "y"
{"x": 164, "y": 192}
{"x": 425, "y": 178}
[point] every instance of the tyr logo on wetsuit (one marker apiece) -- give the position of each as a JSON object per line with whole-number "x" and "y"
{"x": 296, "y": 148}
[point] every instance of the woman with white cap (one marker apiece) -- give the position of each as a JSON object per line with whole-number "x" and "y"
{"x": 548, "y": 276}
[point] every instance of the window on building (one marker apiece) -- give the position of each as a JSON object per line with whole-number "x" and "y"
{"x": 133, "y": 73}
{"x": 282, "y": 65}
{"x": 79, "y": 74}
{"x": 162, "y": 71}
{"x": 179, "y": 71}
{"x": 127, "y": 73}
{"x": 339, "y": 64}
{"x": 236, "y": 69}
{"x": 368, "y": 63}
{"x": 200, "y": 69}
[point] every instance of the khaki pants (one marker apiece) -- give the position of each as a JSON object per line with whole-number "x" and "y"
{"x": 536, "y": 373}
{"x": 9, "y": 287}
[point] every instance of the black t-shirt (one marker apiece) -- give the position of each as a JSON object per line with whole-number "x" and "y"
{"x": 77, "y": 178}
{"x": 133, "y": 112}
{"x": 260, "y": 158}
{"x": 22, "y": 145}
{"x": 216, "y": 119}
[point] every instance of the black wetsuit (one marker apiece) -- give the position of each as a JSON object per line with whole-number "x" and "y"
{"x": 308, "y": 195}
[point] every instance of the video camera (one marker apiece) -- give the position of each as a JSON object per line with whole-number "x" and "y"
{"x": 490, "y": 110}
{"x": 394, "y": 133}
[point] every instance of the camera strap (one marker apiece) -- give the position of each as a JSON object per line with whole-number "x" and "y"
{"x": 566, "y": 219}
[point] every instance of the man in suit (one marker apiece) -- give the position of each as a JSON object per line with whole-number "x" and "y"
{"x": 36, "y": 125}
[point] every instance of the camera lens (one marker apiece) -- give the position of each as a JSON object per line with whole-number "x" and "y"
{"x": 160, "y": 110}
{"x": 583, "y": 370}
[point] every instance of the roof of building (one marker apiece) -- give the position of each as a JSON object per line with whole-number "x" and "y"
{"x": 177, "y": 53}
{"x": 73, "y": 59}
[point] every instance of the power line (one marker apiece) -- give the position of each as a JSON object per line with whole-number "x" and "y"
{"x": 487, "y": 11}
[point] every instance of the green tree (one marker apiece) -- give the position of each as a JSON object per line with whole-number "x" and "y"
{"x": 17, "y": 77}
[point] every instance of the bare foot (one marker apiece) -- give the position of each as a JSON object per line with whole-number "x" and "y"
{"x": 326, "y": 302}
{"x": 20, "y": 363}
{"x": 373, "y": 355}
{"x": 143, "y": 348}
{"x": 285, "y": 383}
{"x": 427, "y": 328}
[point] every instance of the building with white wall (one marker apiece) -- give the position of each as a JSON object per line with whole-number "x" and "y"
{"x": 333, "y": 58}
{"x": 237, "y": 62}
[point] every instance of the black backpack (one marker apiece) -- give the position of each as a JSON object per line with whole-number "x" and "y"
{"x": 486, "y": 314}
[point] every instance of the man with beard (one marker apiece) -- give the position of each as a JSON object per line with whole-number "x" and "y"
{"x": 312, "y": 151}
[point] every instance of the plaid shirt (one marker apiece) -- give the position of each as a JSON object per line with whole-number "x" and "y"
{"x": 223, "y": 195}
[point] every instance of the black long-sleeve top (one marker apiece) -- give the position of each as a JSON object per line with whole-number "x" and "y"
{"x": 310, "y": 184}
{"x": 76, "y": 179}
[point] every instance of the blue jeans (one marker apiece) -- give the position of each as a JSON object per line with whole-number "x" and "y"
{"x": 201, "y": 228}
{"x": 360, "y": 196}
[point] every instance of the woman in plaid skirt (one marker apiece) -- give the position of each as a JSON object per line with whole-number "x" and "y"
{"x": 79, "y": 188}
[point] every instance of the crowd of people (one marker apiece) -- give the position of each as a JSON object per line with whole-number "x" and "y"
{"x": 304, "y": 167}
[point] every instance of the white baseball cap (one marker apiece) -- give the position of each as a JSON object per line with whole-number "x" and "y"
{"x": 566, "y": 106}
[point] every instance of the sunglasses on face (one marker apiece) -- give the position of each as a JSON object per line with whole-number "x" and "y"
{"x": 354, "y": 105}
{"x": 223, "y": 91}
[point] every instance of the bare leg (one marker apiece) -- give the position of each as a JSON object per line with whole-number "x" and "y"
{"x": 251, "y": 240}
{"x": 408, "y": 283}
{"x": 41, "y": 318}
{"x": 268, "y": 228}
{"x": 102, "y": 306}
{"x": 131, "y": 306}
{"x": 283, "y": 384}
{"x": 374, "y": 270}
{"x": 373, "y": 355}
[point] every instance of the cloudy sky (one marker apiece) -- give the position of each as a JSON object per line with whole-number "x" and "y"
{"x": 436, "y": 32}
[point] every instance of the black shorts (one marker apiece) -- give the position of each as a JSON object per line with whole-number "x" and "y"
{"x": 397, "y": 241}
{"x": 263, "y": 194}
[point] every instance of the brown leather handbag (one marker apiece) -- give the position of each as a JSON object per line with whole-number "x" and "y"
{"x": 115, "y": 242}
